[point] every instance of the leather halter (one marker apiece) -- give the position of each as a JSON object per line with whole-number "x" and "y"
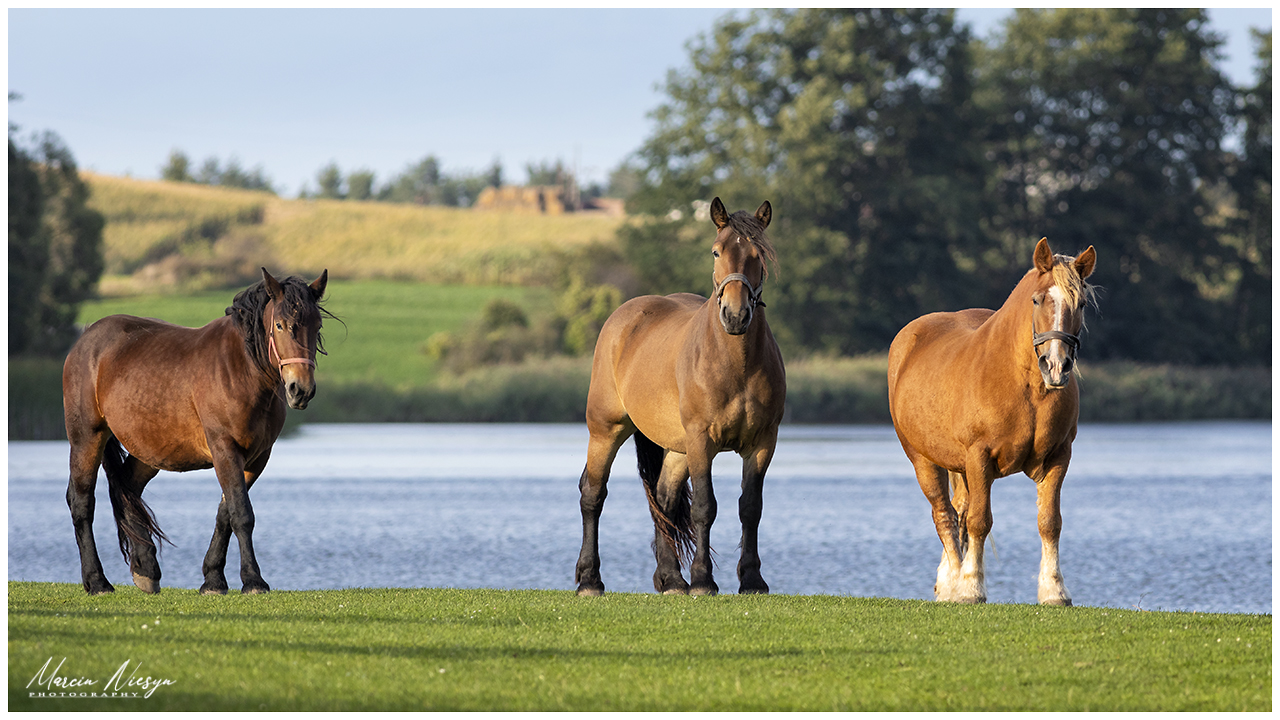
{"x": 754, "y": 292}
{"x": 275, "y": 355}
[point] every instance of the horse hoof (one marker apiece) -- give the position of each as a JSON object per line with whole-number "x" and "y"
{"x": 699, "y": 591}
{"x": 146, "y": 584}
{"x": 590, "y": 590}
{"x": 676, "y": 591}
{"x": 753, "y": 591}
{"x": 105, "y": 589}
{"x": 1057, "y": 602}
{"x": 213, "y": 590}
{"x": 255, "y": 589}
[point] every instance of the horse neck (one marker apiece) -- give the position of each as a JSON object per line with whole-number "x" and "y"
{"x": 742, "y": 351}
{"x": 1008, "y": 346}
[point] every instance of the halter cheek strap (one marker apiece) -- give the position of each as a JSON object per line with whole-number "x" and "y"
{"x": 275, "y": 355}
{"x": 754, "y": 292}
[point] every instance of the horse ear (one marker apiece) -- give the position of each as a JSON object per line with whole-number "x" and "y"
{"x": 1086, "y": 261}
{"x": 719, "y": 215}
{"x": 273, "y": 286}
{"x": 1043, "y": 256}
{"x": 317, "y": 287}
{"x": 764, "y": 213}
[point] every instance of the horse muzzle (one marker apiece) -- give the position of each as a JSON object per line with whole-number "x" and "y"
{"x": 735, "y": 323}
{"x": 299, "y": 388}
{"x": 1056, "y": 364}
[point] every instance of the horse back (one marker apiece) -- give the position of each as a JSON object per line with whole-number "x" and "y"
{"x": 159, "y": 386}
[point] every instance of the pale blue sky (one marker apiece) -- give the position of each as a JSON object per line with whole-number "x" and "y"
{"x": 291, "y": 90}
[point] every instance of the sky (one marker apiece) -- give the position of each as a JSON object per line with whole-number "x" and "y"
{"x": 290, "y": 91}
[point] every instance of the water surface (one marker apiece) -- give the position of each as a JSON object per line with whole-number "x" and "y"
{"x": 1157, "y": 516}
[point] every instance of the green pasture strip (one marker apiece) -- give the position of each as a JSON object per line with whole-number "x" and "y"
{"x": 446, "y": 649}
{"x": 384, "y": 323}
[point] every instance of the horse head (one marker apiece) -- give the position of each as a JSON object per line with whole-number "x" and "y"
{"x": 292, "y": 319}
{"x": 742, "y": 253}
{"x": 1057, "y": 315}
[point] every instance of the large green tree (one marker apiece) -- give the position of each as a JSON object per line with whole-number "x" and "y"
{"x": 858, "y": 125}
{"x": 55, "y": 247}
{"x": 1108, "y": 127}
{"x": 912, "y": 169}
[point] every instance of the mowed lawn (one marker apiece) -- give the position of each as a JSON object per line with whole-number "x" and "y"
{"x": 451, "y": 649}
{"x": 383, "y": 327}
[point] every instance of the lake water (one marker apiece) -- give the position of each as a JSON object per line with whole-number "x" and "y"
{"x": 1155, "y": 516}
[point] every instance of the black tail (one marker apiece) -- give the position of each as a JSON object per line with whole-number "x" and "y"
{"x": 675, "y": 527}
{"x": 134, "y": 520}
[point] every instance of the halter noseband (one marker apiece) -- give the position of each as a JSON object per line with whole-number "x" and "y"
{"x": 275, "y": 355}
{"x": 754, "y": 292}
{"x": 1072, "y": 341}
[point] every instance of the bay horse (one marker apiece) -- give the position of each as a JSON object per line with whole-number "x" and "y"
{"x": 980, "y": 394}
{"x": 689, "y": 377}
{"x": 142, "y": 395}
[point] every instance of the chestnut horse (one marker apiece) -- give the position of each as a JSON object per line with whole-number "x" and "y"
{"x": 976, "y": 395}
{"x": 142, "y": 395}
{"x": 689, "y": 377}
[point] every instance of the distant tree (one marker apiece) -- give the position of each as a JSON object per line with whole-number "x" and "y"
{"x": 178, "y": 169}
{"x": 417, "y": 184}
{"x": 1108, "y": 126}
{"x": 546, "y": 173}
{"x": 55, "y": 263}
{"x": 494, "y": 175}
{"x": 210, "y": 172}
{"x": 329, "y": 179}
{"x": 360, "y": 185}
{"x": 858, "y": 125}
{"x": 28, "y": 249}
{"x": 1249, "y": 314}
{"x": 625, "y": 180}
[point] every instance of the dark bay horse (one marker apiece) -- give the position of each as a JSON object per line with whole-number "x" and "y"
{"x": 142, "y": 395}
{"x": 689, "y": 377}
{"x": 976, "y": 395}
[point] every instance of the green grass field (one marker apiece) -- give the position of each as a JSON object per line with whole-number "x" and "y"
{"x": 444, "y": 649}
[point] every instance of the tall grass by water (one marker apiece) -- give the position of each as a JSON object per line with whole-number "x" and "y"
{"x": 445, "y": 649}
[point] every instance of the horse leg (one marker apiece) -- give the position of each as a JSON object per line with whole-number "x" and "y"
{"x": 960, "y": 501}
{"x": 142, "y": 555}
{"x": 673, "y": 500}
{"x": 750, "y": 507}
{"x": 601, "y": 449}
{"x": 978, "y": 475}
{"x": 702, "y": 512}
{"x": 1052, "y": 590}
{"x": 933, "y": 482}
{"x": 86, "y": 456}
{"x": 215, "y": 560}
{"x": 229, "y": 465}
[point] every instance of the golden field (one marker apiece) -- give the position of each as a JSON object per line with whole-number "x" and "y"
{"x": 187, "y": 236}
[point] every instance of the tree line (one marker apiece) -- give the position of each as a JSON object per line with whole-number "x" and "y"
{"x": 423, "y": 182}
{"x": 55, "y": 245}
{"x": 913, "y": 167}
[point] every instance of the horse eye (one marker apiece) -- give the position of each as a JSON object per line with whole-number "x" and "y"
{"x": 715, "y": 254}
{"x": 1035, "y": 301}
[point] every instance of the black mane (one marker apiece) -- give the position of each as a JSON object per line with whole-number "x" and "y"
{"x": 249, "y": 304}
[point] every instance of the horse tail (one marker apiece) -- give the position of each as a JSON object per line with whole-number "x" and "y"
{"x": 135, "y": 523}
{"x": 676, "y": 526}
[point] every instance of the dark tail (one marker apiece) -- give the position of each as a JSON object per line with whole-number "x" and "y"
{"x": 675, "y": 527}
{"x": 134, "y": 520}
